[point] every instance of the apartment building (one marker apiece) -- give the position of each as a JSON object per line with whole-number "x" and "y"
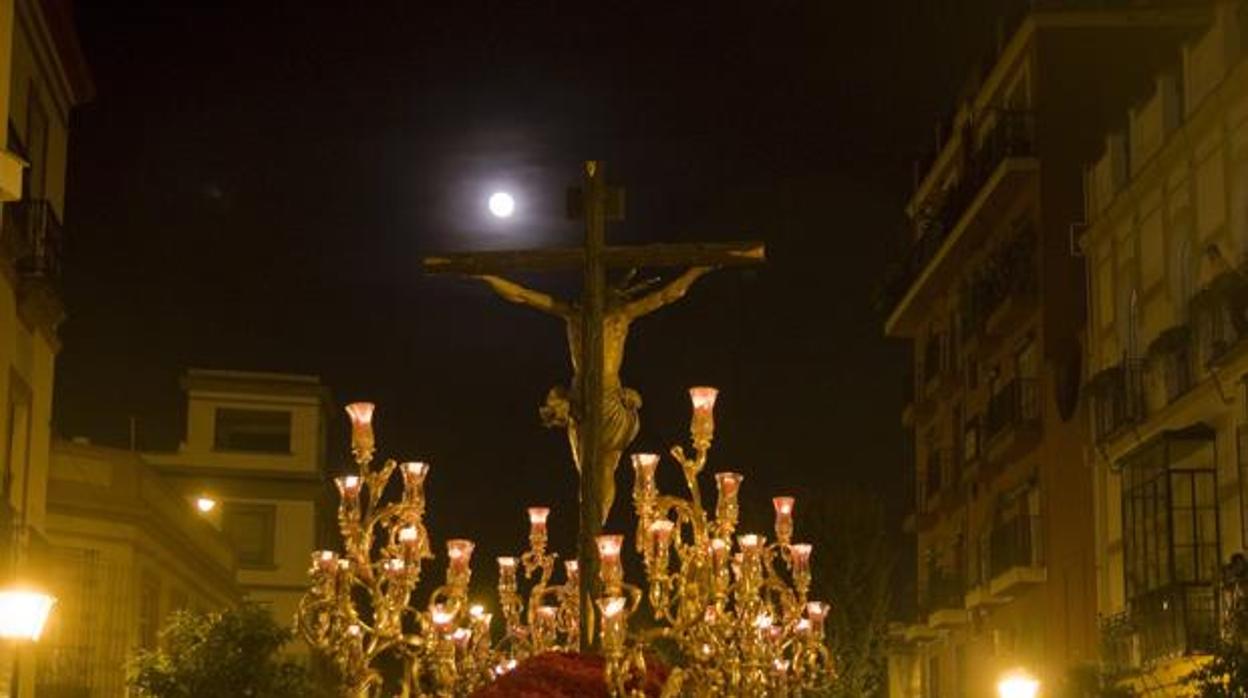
{"x": 1167, "y": 246}
{"x": 42, "y": 77}
{"x": 992, "y": 298}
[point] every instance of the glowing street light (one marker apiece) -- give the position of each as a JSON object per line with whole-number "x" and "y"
{"x": 1018, "y": 684}
{"x": 502, "y": 204}
{"x": 23, "y": 613}
{"x": 205, "y": 504}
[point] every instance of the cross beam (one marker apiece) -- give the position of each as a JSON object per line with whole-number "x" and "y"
{"x": 617, "y": 256}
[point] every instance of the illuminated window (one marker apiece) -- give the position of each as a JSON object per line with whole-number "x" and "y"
{"x": 256, "y": 431}
{"x": 250, "y": 527}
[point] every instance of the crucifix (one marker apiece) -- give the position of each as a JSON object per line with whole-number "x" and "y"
{"x": 598, "y": 412}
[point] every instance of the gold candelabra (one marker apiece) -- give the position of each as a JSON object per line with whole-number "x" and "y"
{"x": 741, "y": 618}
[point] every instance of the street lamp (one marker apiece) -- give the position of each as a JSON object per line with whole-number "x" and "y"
{"x": 205, "y": 504}
{"x": 23, "y": 613}
{"x": 1018, "y": 684}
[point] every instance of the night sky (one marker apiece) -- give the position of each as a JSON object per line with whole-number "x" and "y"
{"x": 253, "y": 188}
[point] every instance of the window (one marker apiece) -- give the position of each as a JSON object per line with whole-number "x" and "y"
{"x": 250, "y": 527}
{"x": 149, "y": 610}
{"x": 256, "y": 431}
{"x": 1171, "y": 540}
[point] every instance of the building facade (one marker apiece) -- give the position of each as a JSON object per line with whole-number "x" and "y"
{"x": 991, "y": 296}
{"x": 1167, "y": 252}
{"x": 42, "y": 77}
{"x": 124, "y": 551}
{"x": 255, "y": 444}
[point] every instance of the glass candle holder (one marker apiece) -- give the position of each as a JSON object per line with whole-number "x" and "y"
{"x": 611, "y": 572}
{"x": 362, "y": 441}
{"x": 537, "y": 528}
{"x": 612, "y": 610}
{"x": 660, "y": 544}
{"x": 459, "y": 552}
{"x": 348, "y": 497}
{"x": 325, "y": 562}
{"x": 414, "y": 473}
{"x": 702, "y": 425}
{"x": 442, "y": 617}
{"x": 507, "y": 574}
{"x": 784, "y": 518}
{"x": 728, "y": 486}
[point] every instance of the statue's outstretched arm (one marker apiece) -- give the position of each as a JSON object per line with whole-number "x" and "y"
{"x": 670, "y": 293}
{"x": 516, "y": 293}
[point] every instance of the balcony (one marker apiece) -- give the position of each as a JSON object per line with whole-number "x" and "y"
{"x": 993, "y": 174}
{"x": 31, "y": 238}
{"x": 1118, "y": 398}
{"x": 945, "y": 600}
{"x": 1171, "y": 355}
{"x": 1012, "y": 420}
{"x": 1016, "y": 558}
{"x": 1219, "y": 315}
{"x": 1174, "y": 621}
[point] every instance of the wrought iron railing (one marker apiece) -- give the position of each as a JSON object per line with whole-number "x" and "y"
{"x": 34, "y": 233}
{"x": 1173, "y": 621}
{"x": 1014, "y": 543}
{"x": 945, "y": 590}
{"x": 1014, "y": 405}
{"x": 1119, "y": 397}
{"x": 1011, "y": 135}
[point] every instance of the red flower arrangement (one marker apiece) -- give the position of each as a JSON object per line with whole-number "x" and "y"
{"x": 565, "y": 675}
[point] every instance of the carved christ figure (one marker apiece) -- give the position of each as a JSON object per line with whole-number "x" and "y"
{"x": 620, "y": 422}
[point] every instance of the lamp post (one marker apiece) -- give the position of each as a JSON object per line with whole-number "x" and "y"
{"x": 23, "y": 613}
{"x": 1018, "y": 684}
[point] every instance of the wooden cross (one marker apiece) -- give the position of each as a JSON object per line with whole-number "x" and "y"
{"x": 594, "y": 258}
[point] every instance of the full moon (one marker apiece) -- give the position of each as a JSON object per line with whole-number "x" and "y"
{"x": 502, "y": 205}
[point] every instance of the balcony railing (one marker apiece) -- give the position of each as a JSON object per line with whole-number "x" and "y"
{"x": 1015, "y": 543}
{"x": 1174, "y": 621}
{"x": 945, "y": 590}
{"x": 1171, "y": 354}
{"x": 1118, "y": 393}
{"x": 32, "y": 234}
{"x": 1015, "y": 405}
{"x": 1012, "y": 135}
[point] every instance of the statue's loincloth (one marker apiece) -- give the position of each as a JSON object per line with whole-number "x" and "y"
{"x": 620, "y": 420}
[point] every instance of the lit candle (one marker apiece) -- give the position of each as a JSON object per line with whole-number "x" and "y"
{"x": 362, "y": 444}
{"x": 726, "y": 510}
{"x": 507, "y": 573}
{"x": 719, "y": 552}
{"x": 325, "y": 561}
{"x": 414, "y": 473}
{"x": 459, "y": 551}
{"x": 609, "y": 553}
{"x": 750, "y": 543}
{"x": 443, "y": 618}
{"x": 537, "y": 528}
{"x": 661, "y": 538}
{"x": 613, "y": 616}
{"x": 460, "y": 637}
{"x": 409, "y": 538}
{"x": 784, "y": 518}
{"x": 799, "y": 558}
{"x": 572, "y": 569}
{"x": 394, "y": 567}
{"x": 349, "y": 494}
{"x": 644, "y": 466}
{"x": 817, "y": 612}
{"x": 702, "y": 426}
